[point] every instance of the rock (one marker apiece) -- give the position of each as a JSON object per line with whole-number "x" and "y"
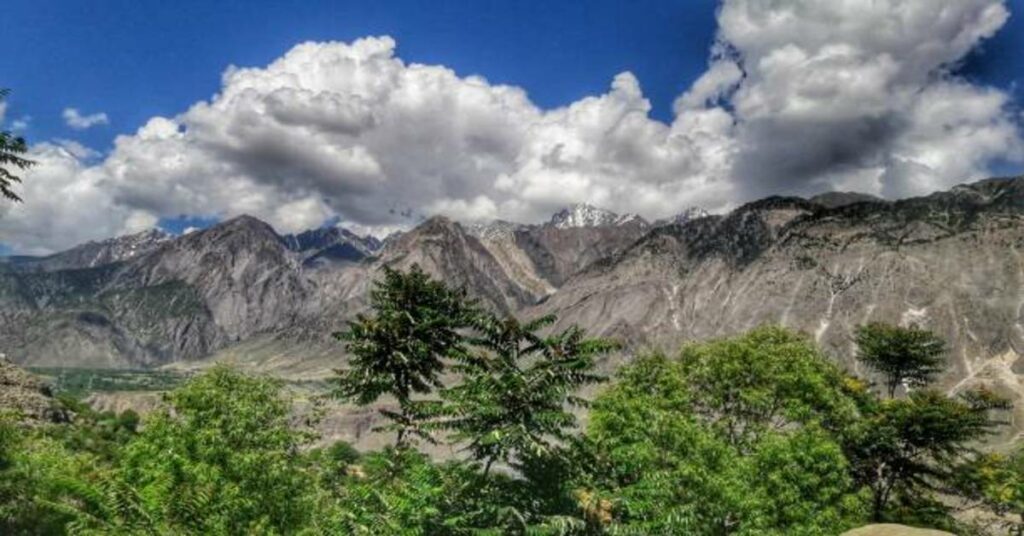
{"x": 28, "y": 397}
{"x": 894, "y": 530}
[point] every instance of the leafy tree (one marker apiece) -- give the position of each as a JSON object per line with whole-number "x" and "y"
{"x": 516, "y": 386}
{"x": 905, "y": 449}
{"x": 996, "y": 482}
{"x": 222, "y": 459}
{"x": 903, "y": 356}
{"x": 12, "y": 149}
{"x": 761, "y": 381}
{"x": 401, "y": 349}
{"x": 667, "y": 467}
{"x": 41, "y": 483}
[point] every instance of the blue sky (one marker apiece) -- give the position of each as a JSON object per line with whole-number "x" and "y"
{"x": 134, "y": 59}
{"x": 801, "y": 108}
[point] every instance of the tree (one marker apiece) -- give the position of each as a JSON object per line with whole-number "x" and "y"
{"x": 222, "y": 459}
{"x": 671, "y": 467}
{"x": 516, "y": 386}
{"x": 904, "y": 356}
{"x": 904, "y": 449}
{"x": 996, "y": 481}
{"x": 11, "y": 150}
{"x": 401, "y": 349}
{"x": 764, "y": 380}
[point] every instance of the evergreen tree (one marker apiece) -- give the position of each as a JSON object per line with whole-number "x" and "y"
{"x": 12, "y": 149}
{"x": 904, "y": 356}
{"x": 400, "y": 350}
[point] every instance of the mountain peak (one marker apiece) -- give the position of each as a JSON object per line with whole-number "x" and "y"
{"x": 687, "y": 215}
{"x": 587, "y": 215}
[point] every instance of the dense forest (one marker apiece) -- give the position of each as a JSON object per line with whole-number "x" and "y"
{"x": 760, "y": 434}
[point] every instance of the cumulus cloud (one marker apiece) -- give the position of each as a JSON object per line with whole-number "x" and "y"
{"x": 799, "y": 97}
{"x": 862, "y": 95}
{"x": 74, "y": 119}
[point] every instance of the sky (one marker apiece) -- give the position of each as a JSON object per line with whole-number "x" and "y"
{"x": 376, "y": 114}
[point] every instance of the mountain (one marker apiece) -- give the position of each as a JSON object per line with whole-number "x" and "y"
{"x": 94, "y": 254}
{"x": 691, "y": 213}
{"x": 332, "y": 244}
{"x": 839, "y": 199}
{"x": 584, "y": 215}
{"x": 950, "y": 262}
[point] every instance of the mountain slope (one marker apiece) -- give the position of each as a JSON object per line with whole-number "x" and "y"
{"x": 950, "y": 262}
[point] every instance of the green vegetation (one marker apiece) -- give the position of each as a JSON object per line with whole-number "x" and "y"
{"x": 904, "y": 357}
{"x": 12, "y": 151}
{"x": 77, "y": 382}
{"x": 759, "y": 434}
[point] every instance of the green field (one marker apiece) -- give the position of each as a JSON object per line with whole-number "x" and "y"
{"x": 82, "y": 381}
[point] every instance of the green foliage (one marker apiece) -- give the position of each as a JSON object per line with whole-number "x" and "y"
{"x": 42, "y": 484}
{"x": 663, "y": 452}
{"x": 12, "y": 151}
{"x": 79, "y": 382}
{"x": 903, "y": 356}
{"x": 754, "y": 435}
{"x": 222, "y": 460}
{"x": 516, "y": 387}
{"x": 99, "y": 434}
{"x": 400, "y": 350}
{"x": 996, "y": 482}
{"x": 904, "y": 448}
{"x": 762, "y": 381}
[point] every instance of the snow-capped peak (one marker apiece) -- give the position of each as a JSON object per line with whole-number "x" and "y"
{"x": 585, "y": 215}
{"x": 689, "y": 214}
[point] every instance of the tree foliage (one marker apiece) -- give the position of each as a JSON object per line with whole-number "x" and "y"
{"x": 903, "y": 356}
{"x": 756, "y": 435}
{"x": 222, "y": 459}
{"x": 401, "y": 349}
{"x": 517, "y": 388}
{"x": 12, "y": 159}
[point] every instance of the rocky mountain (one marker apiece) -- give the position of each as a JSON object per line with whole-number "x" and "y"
{"x": 691, "y": 213}
{"x": 93, "y": 254}
{"x": 585, "y": 215}
{"x": 332, "y": 244}
{"x": 240, "y": 281}
{"x": 950, "y": 262}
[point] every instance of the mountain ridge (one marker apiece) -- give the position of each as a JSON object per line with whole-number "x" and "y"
{"x": 950, "y": 262}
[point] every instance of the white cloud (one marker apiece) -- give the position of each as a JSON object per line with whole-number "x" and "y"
{"x": 74, "y": 119}
{"x": 21, "y": 124}
{"x": 799, "y": 97}
{"x": 3, "y": 111}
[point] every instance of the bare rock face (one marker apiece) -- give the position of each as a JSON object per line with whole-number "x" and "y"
{"x": 894, "y": 530}
{"x": 28, "y": 397}
{"x": 94, "y": 254}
